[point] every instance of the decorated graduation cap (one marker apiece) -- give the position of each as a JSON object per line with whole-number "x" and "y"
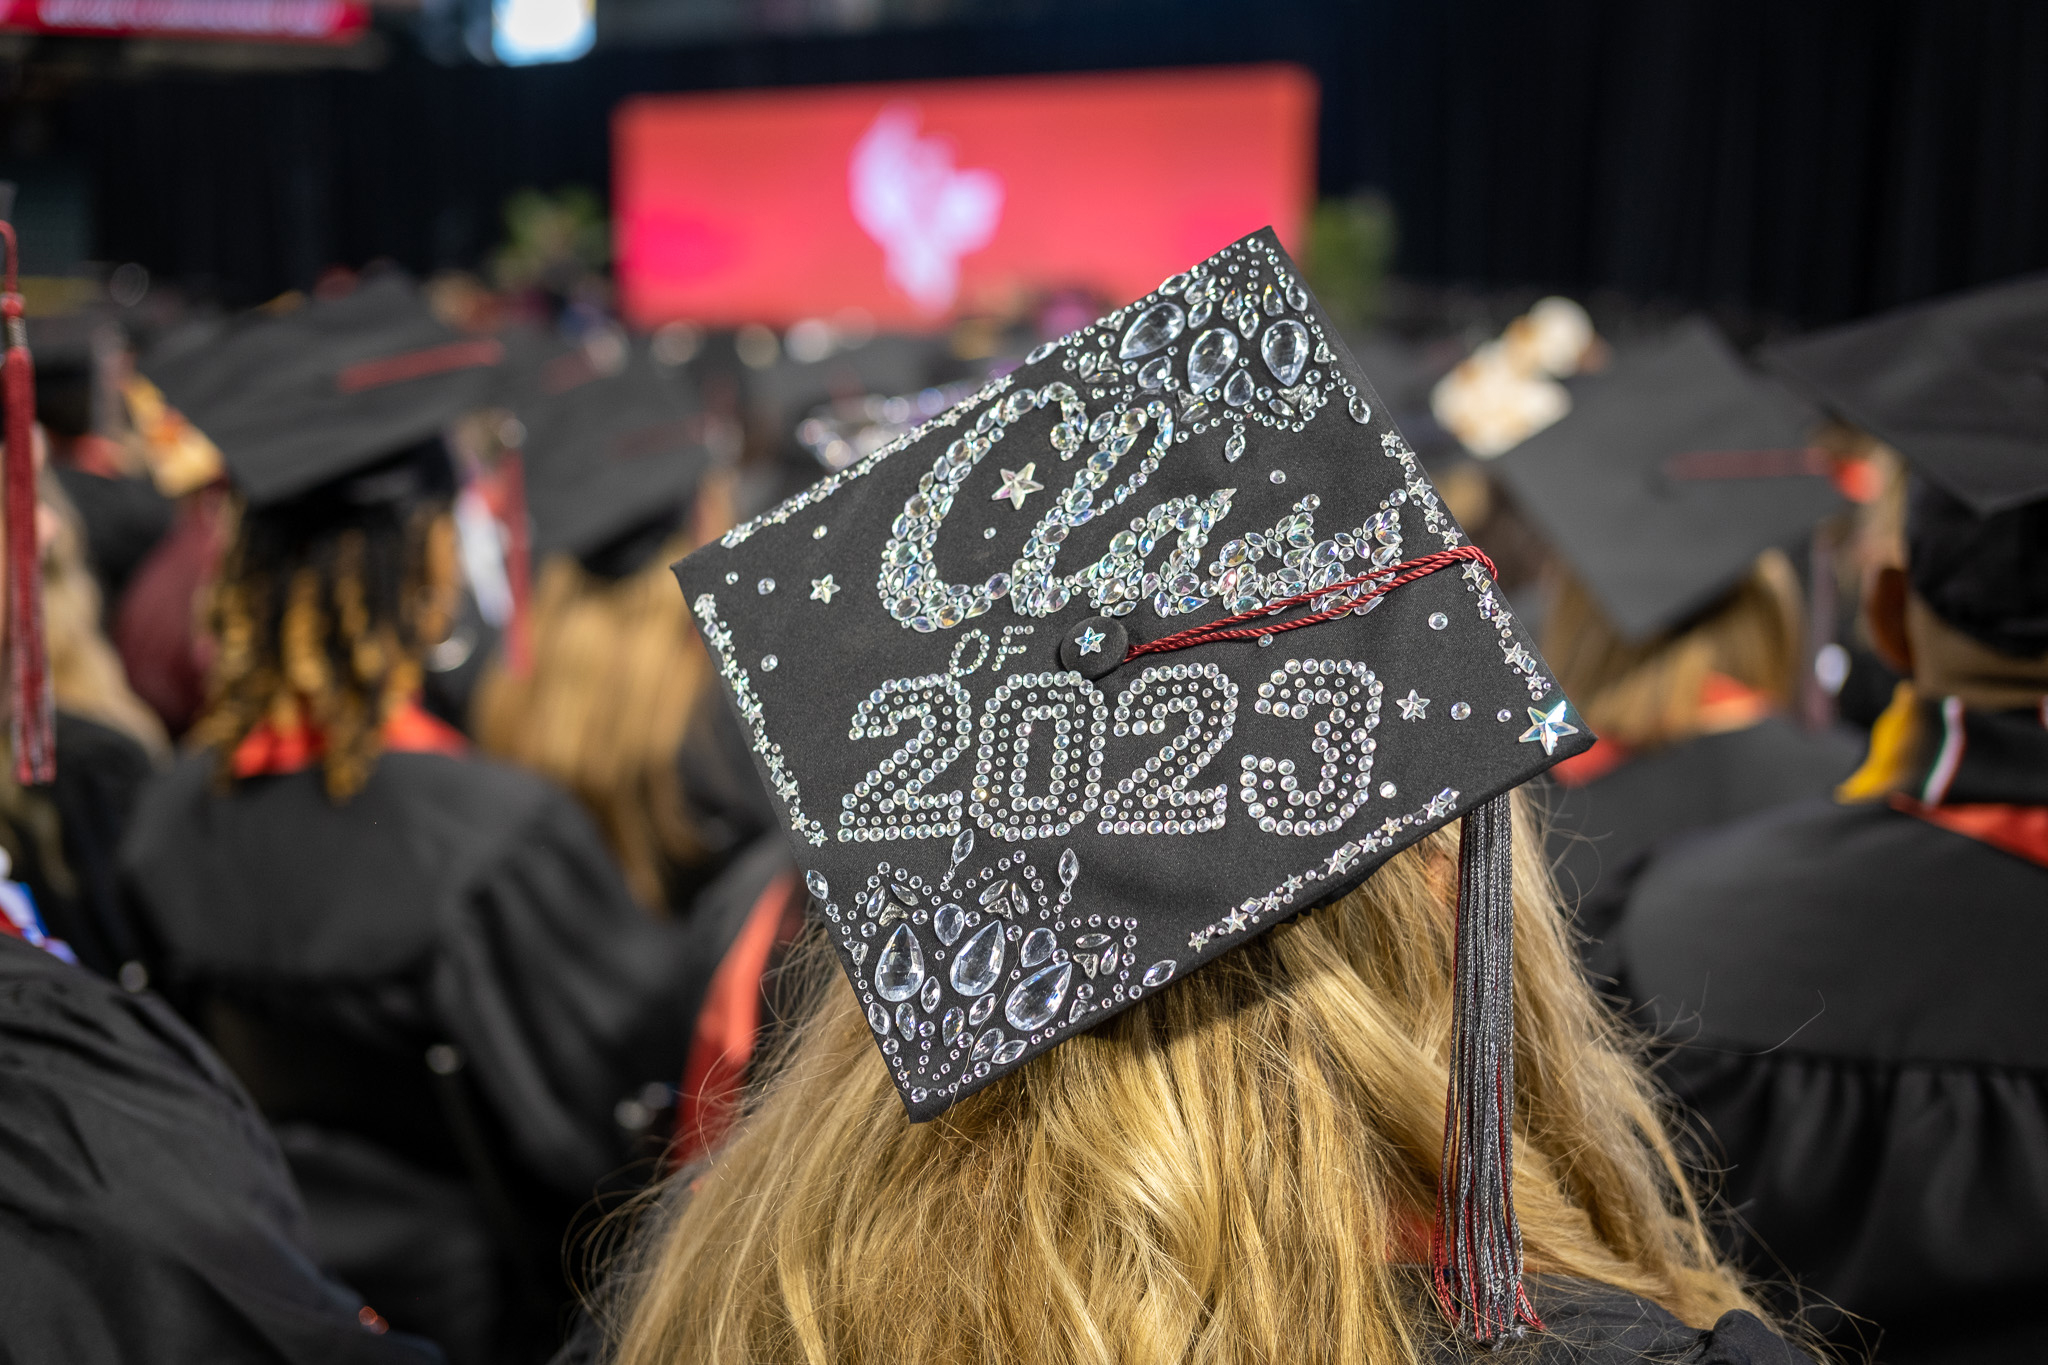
{"x": 330, "y": 390}
{"x": 613, "y": 452}
{"x": 1675, "y": 468}
{"x": 1959, "y": 387}
{"x": 1150, "y": 645}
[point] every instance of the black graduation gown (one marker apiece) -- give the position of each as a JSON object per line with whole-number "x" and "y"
{"x": 62, "y": 840}
{"x": 1586, "y": 1324}
{"x": 1602, "y": 831}
{"x": 439, "y": 992}
{"x": 1855, "y": 994}
{"x": 145, "y": 1212}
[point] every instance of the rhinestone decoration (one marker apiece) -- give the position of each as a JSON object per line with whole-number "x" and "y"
{"x": 973, "y": 934}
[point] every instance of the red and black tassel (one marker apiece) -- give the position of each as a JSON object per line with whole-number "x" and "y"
{"x": 32, "y": 714}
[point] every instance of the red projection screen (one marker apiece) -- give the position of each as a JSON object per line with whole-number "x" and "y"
{"x": 919, "y": 202}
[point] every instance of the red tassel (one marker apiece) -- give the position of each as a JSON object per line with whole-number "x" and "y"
{"x": 509, "y": 503}
{"x": 32, "y": 718}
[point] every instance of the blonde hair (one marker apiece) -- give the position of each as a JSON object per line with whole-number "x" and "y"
{"x": 1235, "y": 1169}
{"x": 86, "y": 675}
{"x": 1646, "y": 693}
{"x": 617, "y": 670}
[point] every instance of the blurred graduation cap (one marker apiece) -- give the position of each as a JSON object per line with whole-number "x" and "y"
{"x": 612, "y": 449}
{"x": 1675, "y": 468}
{"x": 333, "y": 388}
{"x": 1148, "y": 646}
{"x": 1958, "y": 386}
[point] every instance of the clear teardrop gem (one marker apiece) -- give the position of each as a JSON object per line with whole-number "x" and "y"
{"x": 1020, "y": 901}
{"x": 1043, "y": 352}
{"x": 1285, "y": 348}
{"x": 815, "y": 882}
{"x": 1297, "y": 297}
{"x": 1009, "y": 1052}
{"x": 1157, "y": 326}
{"x": 1271, "y": 300}
{"x": 948, "y": 921}
{"x": 980, "y": 1010}
{"x": 1154, "y": 373}
{"x": 1210, "y": 358}
{"x": 906, "y": 1020}
{"x": 878, "y": 1019}
{"x": 996, "y": 895}
{"x": 1233, "y": 449}
{"x": 1038, "y": 997}
{"x": 1200, "y": 313}
{"x": 979, "y": 964}
{"x": 1038, "y": 946}
{"x": 985, "y": 1046}
{"x": 952, "y": 1026}
{"x": 1240, "y": 390}
{"x": 1070, "y": 867}
{"x": 899, "y": 970}
{"x": 963, "y": 846}
{"x": 929, "y": 996}
{"x": 1099, "y": 429}
{"x": 1361, "y": 411}
{"x": 1159, "y": 973}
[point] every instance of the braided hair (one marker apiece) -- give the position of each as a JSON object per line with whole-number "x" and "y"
{"x": 323, "y": 612}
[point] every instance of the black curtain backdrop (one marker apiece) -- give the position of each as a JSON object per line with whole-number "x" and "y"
{"x": 1807, "y": 160}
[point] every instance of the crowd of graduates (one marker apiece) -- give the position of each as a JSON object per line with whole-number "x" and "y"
{"x": 395, "y": 926}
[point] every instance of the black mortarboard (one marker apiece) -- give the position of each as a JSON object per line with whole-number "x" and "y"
{"x": 1675, "y": 468}
{"x": 1026, "y": 795}
{"x": 1958, "y": 386}
{"x": 328, "y": 390}
{"x": 613, "y": 454}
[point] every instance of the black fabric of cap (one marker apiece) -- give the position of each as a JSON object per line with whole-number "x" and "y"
{"x": 892, "y": 638}
{"x": 1985, "y": 575}
{"x": 612, "y": 460}
{"x": 1674, "y": 469}
{"x": 300, "y": 400}
{"x": 1958, "y": 386}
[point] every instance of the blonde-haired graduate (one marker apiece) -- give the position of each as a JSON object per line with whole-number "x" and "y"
{"x": 1669, "y": 497}
{"x": 1851, "y": 984}
{"x": 1189, "y": 986}
{"x": 612, "y": 693}
{"x": 424, "y": 965}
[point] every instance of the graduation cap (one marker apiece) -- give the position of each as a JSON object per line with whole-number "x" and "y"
{"x": 1675, "y": 468}
{"x": 1959, "y": 387}
{"x": 328, "y": 390}
{"x": 1151, "y": 644}
{"x": 612, "y": 453}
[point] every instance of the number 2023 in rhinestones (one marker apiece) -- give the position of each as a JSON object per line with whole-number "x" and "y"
{"x": 1042, "y": 743}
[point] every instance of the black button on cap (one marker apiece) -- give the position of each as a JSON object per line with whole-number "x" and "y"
{"x": 1094, "y": 647}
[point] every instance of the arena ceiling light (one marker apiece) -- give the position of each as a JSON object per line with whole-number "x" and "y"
{"x": 530, "y": 32}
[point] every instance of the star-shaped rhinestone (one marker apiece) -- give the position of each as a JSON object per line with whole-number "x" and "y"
{"x": 1413, "y": 706}
{"x": 1520, "y": 657}
{"x": 1392, "y": 826}
{"x": 1440, "y": 804}
{"x": 1016, "y": 484}
{"x": 1548, "y": 727}
{"x": 1090, "y": 641}
{"x": 1235, "y": 921}
{"x": 823, "y": 588}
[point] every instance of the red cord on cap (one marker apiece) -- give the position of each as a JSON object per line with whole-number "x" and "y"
{"x": 32, "y": 719}
{"x": 1381, "y": 581}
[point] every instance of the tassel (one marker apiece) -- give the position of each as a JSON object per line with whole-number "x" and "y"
{"x": 509, "y": 486}
{"x": 31, "y": 719}
{"x": 1477, "y": 1244}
